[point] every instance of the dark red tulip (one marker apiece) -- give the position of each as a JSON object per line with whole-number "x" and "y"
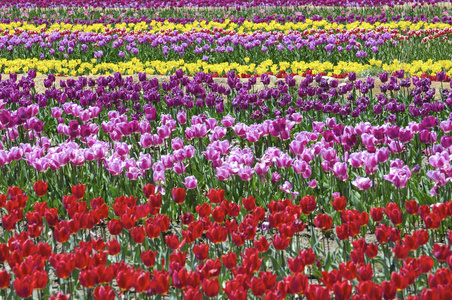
{"x": 178, "y": 195}
{"x": 201, "y": 252}
{"x": 40, "y": 188}
{"x": 342, "y": 290}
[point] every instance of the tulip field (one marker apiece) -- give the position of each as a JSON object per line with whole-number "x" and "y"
{"x": 197, "y": 149}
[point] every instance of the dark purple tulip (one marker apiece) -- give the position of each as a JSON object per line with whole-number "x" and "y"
{"x": 383, "y": 77}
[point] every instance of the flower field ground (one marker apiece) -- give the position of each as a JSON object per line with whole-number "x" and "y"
{"x": 289, "y": 149}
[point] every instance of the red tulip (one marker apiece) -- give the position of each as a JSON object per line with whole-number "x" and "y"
{"x": 342, "y": 291}
{"x": 257, "y": 286}
{"x": 365, "y": 272}
{"x": 394, "y": 213}
{"x": 113, "y": 247}
{"x": 180, "y": 278}
{"x": 217, "y": 234}
{"x": 411, "y": 207}
{"x": 138, "y": 234}
{"x": 201, "y": 252}
{"x": 216, "y": 196}
{"x": 23, "y": 286}
{"x": 210, "y": 287}
{"x": 78, "y": 191}
{"x": 348, "y": 270}
{"x": 192, "y": 293}
{"x": 389, "y": 290}
{"x": 115, "y": 226}
{"x": 441, "y": 252}
{"x": 148, "y": 258}
{"x": 323, "y": 222}
{"x": 308, "y": 204}
{"x": 143, "y": 282}
{"x": 316, "y": 292}
{"x": 339, "y": 203}
{"x": 2, "y": 200}
{"x": 382, "y": 233}
{"x": 4, "y": 252}
{"x": 60, "y": 296}
{"x": 87, "y": 278}
{"x": 297, "y": 284}
{"x": 296, "y": 264}
{"x": 40, "y": 279}
{"x": 4, "y": 279}
{"x": 173, "y": 242}
{"x": 401, "y": 251}
{"x": 376, "y": 213}
{"x": 371, "y": 250}
{"x": 204, "y": 210}
{"x": 280, "y": 243}
{"x": 104, "y": 292}
{"x": 160, "y": 283}
{"x": 9, "y": 222}
{"x": 249, "y": 203}
{"x": 262, "y": 244}
{"x": 218, "y": 214}
{"x": 63, "y": 264}
{"x": 178, "y": 195}
{"x": 40, "y": 188}
{"x": 124, "y": 279}
{"x": 148, "y": 190}
{"x": 229, "y": 260}
{"x": 62, "y": 232}
{"x": 400, "y": 282}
